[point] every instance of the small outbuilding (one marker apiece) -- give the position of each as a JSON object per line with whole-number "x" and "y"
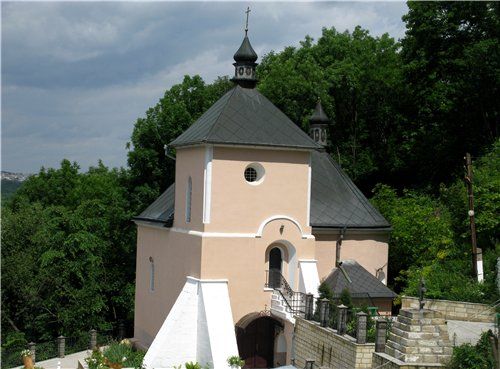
{"x": 365, "y": 289}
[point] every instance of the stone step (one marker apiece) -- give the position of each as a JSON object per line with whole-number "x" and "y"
{"x": 421, "y": 314}
{"x": 414, "y": 335}
{"x": 421, "y": 321}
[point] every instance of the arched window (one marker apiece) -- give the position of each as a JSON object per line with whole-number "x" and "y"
{"x": 275, "y": 263}
{"x": 151, "y": 274}
{"x": 189, "y": 192}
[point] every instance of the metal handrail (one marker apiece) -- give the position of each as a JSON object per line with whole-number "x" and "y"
{"x": 295, "y": 301}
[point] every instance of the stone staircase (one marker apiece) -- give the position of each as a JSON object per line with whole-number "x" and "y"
{"x": 280, "y": 308}
{"x": 419, "y": 337}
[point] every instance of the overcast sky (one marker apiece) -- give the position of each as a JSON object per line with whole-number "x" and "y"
{"x": 76, "y": 76}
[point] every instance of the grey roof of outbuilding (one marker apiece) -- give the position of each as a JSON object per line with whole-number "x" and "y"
{"x": 363, "y": 285}
{"x": 336, "y": 202}
{"x": 243, "y": 116}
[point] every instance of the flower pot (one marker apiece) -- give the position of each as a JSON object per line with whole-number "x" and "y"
{"x": 28, "y": 362}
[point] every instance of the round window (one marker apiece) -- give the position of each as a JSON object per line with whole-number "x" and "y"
{"x": 254, "y": 173}
{"x": 250, "y": 174}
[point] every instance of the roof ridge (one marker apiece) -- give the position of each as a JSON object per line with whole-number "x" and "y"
{"x": 297, "y": 128}
{"x": 221, "y": 112}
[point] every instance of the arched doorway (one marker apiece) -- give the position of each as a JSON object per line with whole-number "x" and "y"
{"x": 275, "y": 266}
{"x": 255, "y": 335}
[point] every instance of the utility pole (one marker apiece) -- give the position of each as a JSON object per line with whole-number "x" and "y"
{"x": 468, "y": 182}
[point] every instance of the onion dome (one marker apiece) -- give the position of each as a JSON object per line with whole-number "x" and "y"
{"x": 318, "y": 128}
{"x": 245, "y": 62}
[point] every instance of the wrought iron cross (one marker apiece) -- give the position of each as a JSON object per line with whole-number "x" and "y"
{"x": 246, "y": 24}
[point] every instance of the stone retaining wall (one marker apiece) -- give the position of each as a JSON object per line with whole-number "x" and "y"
{"x": 328, "y": 349}
{"x": 381, "y": 359}
{"x": 454, "y": 310}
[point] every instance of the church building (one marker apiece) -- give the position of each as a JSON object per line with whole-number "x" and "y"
{"x": 255, "y": 218}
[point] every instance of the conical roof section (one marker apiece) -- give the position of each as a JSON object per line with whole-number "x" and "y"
{"x": 244, "y": 116}
{"x": 246, "y": 53}
{"x": 319, "y": 115}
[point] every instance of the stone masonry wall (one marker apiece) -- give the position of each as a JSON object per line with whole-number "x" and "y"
{"x": 328, "y": 349}
{"x": 453, "y": 310}
{"x": 382, "y": 360}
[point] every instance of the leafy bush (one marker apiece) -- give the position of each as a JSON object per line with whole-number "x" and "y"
{"x": 116, "y": 353}
{"x": 191, "y": 365}
{"x": 479, "y": 356}
{"x": 235, "y": 362}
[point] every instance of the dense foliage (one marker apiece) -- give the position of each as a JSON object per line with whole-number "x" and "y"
{"x": 9, "y": 188}
{"x": 431, "y": 235}
{"x": 403, "y": 115}
{"x": 479, "y": 356}
{"x": 67, "y": 253}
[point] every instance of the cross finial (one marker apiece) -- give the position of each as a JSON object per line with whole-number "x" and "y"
{"x": 246, "y": 24}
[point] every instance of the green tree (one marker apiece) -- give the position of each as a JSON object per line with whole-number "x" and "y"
{"x": 451, "y": 57}
{"x": 68, "y": 258}
{"x": 151, "y": 171}
{"x": 422, "y": 230}
{"x": 359, "y": 80}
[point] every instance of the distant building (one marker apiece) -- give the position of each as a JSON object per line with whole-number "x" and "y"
{"x": 257, "y": 204}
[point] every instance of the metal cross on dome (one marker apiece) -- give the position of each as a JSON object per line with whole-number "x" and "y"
{"x": 246, "y": 24}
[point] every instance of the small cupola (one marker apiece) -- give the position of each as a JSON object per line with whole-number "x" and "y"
{"x": 318, "y": 125}
{"x": 245, "y": 62}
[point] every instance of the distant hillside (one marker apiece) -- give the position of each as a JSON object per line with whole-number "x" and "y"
{"x": 9, "y": 187}
{"x": 10, "y": 183}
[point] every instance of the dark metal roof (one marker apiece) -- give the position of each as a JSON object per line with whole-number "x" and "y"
{"x": 161, "y": 210}
{"x": 336, "y": 202}
{"x": 245, "y": 53}
{"x": 363, "y": 285}
{"x": 319, "y": 115}
{"x": 243, "y": 116}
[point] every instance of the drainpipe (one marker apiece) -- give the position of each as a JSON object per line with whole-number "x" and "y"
{"x": 338, "y": 246}
{"x": 165, "y": 147}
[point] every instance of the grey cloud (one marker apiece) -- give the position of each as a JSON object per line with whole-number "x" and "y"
{"x": 75, "y": 76}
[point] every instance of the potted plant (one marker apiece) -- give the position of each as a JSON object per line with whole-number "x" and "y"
{"x": 235, "y": 362}
{"x": 27, "y": 357}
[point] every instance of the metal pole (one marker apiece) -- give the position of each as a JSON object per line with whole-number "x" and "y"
{"x": 468, "y": 182}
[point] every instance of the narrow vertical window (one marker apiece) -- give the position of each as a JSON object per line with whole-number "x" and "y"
{"x": 189, "y": 191}
{"x": 151, "y": 274}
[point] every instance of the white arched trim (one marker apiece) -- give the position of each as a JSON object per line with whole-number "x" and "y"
{"x": 276, "y": 217}
{"x": 291, "y": 253}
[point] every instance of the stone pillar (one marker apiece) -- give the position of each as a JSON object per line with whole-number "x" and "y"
{"x": 361, "y": 327}
{"x": 342, "y": 319}
{"x": 324, "y": 312}
{"x": 380, "y": 335}
{"x": 32, "y": 348}
{"x": 61, "y": 345}
{"x": 309, "y": 364}
{"x": 93, "y": 339}
{"x": 121, "y": 330}
{"x": 309, "y": 306}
